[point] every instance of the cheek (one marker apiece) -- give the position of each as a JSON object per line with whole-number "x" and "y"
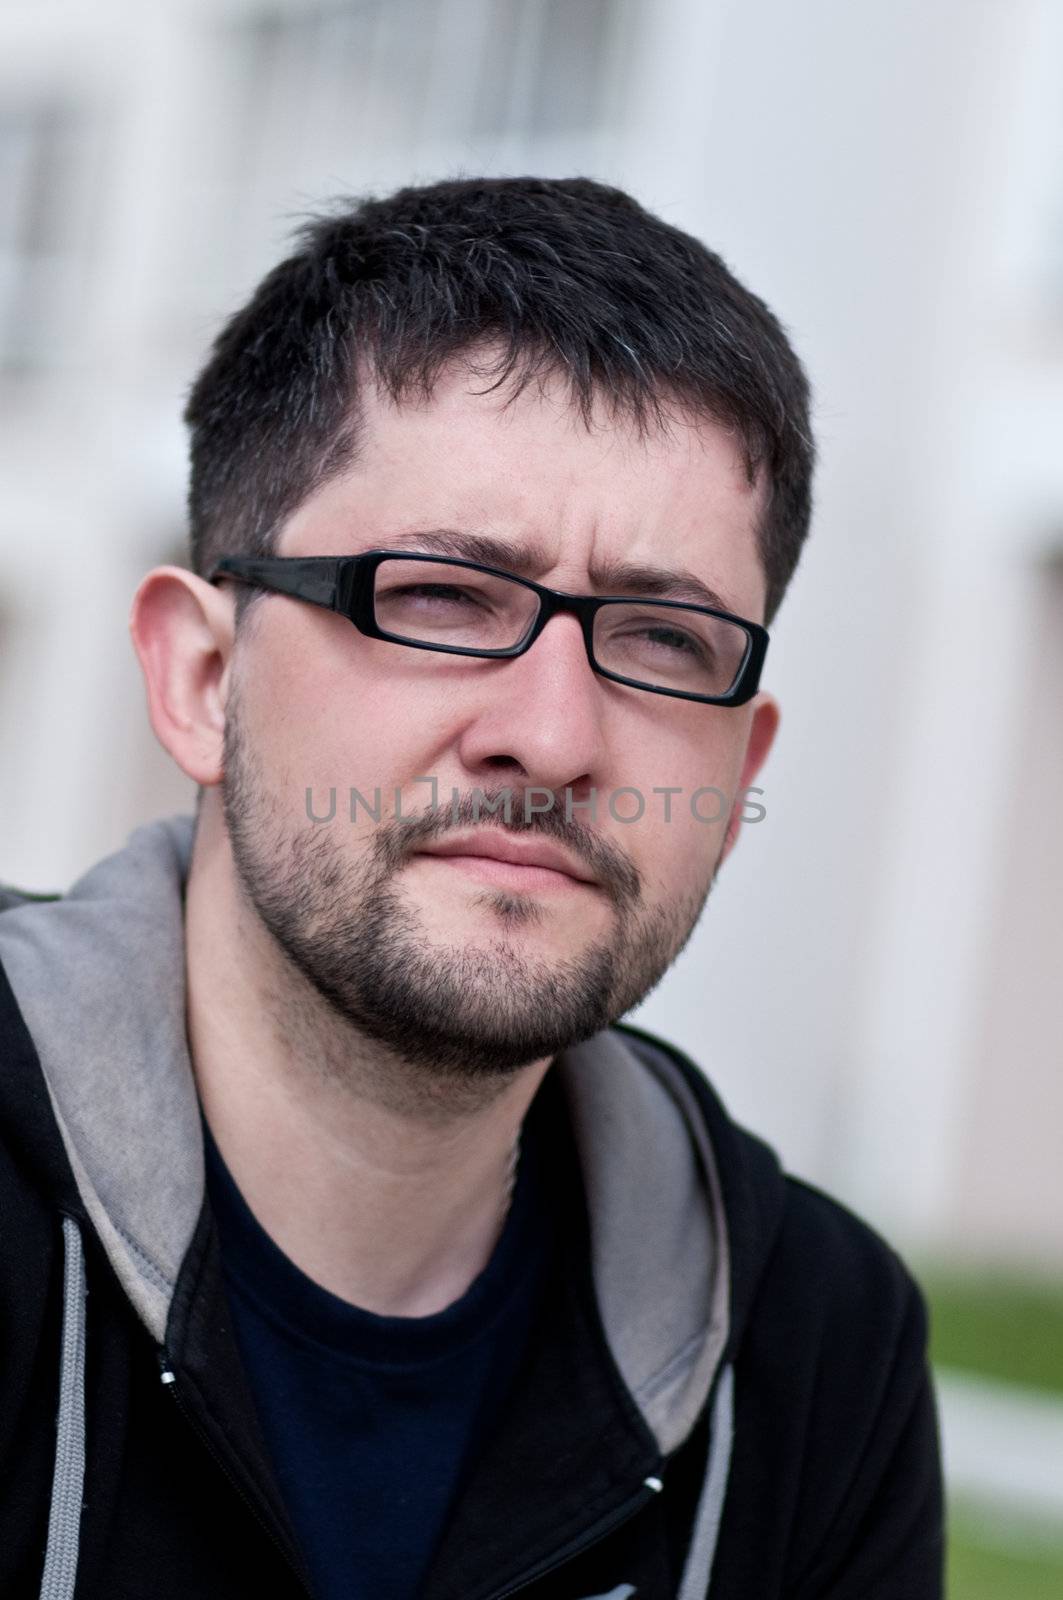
{"x": 693, "y": 752}
{"x": 328, "y": 722}
{"x": 679, "y": 854}
{"x": 687, "y": 787}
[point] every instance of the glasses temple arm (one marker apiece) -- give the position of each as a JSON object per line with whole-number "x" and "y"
{"x": 312, "y": 578}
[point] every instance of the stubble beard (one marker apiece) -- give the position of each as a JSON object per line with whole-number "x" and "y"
{"x": 459, "y": 1014}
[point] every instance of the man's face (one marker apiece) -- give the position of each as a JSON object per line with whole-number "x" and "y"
{"x": 465, "y": 971}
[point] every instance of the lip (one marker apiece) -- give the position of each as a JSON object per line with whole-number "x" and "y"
{"x": 507, "y": 850}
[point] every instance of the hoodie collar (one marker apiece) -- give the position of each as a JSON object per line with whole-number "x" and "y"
{"x": 99, "y": 975}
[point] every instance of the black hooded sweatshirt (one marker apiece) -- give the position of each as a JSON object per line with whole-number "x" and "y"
{"x": 725, "y": 1394}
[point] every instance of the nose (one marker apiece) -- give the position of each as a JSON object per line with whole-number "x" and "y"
{"x": 542, "y": 713}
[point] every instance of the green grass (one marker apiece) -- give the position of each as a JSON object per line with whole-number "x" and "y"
{"x": 998, "y": 1326}
{"x": 979, "y": 1570}
{"x": 1006, "y": 1327}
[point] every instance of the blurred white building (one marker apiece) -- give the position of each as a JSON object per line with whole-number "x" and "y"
{"x": 876, "y": 982}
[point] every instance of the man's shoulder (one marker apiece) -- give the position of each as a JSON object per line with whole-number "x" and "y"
{"x": 811, "y": 1249}
{"x": 846, "y": 1272}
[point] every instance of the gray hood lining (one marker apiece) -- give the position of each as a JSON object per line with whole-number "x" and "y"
{"x": 100, "y": 979}
{"x": 655, "y": 1207}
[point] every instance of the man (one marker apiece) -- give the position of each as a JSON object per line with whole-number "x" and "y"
{"x": 352, "y": 1247}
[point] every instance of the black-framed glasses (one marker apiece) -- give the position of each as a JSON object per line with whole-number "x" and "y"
{"x": 463, "y": 608}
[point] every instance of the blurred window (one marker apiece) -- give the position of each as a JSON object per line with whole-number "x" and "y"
{"x": 545, "y": 66}
{"x": 40, "y": 229}
{"x": 330, "y": 98}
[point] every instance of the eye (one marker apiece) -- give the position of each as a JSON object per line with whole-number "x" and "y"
{"x": 673, "y": 639}
{"x": 652, "y": 639}
{"x": 445, "y": 595}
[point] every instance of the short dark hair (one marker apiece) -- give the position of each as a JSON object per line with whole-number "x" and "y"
{"x": 555, "y": 275}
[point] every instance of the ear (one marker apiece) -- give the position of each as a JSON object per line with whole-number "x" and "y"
{"x": 762, "y": 731}
{"x": 182, "y": 629}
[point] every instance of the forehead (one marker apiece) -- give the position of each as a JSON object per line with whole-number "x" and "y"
{"x": 527, "y": 471}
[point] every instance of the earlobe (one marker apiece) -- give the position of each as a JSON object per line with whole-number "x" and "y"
{"x": 182, "y": 631}
{"x": 763, "y": 728}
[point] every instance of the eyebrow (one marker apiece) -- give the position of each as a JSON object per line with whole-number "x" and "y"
{"x": 528, "y": 560}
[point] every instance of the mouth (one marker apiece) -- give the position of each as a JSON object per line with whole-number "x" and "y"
{"x": 515, "y": 875}
{"x": 510, "y": 861}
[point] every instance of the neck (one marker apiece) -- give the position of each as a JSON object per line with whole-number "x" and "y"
{"x": 386, "y": 1189}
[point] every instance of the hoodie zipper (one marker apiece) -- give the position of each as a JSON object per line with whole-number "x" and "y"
{"x": 169, "y": 1381}
{"x": 647, "y": 1490}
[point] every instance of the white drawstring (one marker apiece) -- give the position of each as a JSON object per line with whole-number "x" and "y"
{"x": 64, "y": 1518}
{"x": 702, "y": 1553}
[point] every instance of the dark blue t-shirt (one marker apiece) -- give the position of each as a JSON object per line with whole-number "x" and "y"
{"x": 371, "y": 1421}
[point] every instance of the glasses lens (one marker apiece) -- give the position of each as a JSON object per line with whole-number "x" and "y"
{"x": 435, "y": 602}
{"x": 670, "y": 647}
